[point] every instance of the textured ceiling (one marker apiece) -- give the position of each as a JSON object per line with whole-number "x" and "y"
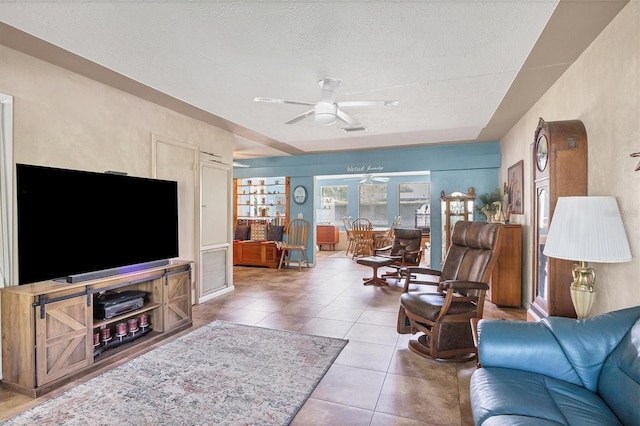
{"x": 461, "y": 70}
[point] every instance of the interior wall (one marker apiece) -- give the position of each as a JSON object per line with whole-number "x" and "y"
{"x": 602, "y": 88}
{"x": 62, "y": 119}
{"x": 452, "y": 168}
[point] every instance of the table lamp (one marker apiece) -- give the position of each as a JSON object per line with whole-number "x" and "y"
{"x": 586, "y": 229}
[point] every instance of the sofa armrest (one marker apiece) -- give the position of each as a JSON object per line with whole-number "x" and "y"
{"x": 526, "y": 346}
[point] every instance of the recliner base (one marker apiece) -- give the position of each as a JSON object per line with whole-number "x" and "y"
{"x": 421, "y": 346}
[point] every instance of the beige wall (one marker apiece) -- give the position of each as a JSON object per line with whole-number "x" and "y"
{"x": 602, "y": 88}
{"x": 62, "y": 119}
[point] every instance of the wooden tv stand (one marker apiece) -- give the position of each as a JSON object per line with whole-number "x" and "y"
{"x": 48, "y": 327}
{"x": 255, "y": 253}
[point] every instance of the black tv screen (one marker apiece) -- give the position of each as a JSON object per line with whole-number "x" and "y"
{"x": 75, "y": 222}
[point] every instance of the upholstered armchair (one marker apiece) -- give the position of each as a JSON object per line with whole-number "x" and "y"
{"x": 405, "y": 251}
{"x": 443, "y": 315}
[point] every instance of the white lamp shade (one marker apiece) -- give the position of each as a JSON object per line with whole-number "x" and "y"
{"x": 587, "y": 229}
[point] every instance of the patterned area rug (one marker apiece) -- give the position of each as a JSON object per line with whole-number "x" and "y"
{"x": 221, "y": 373}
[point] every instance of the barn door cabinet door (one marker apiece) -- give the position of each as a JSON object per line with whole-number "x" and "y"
{"x": 63, "y": 341}
{"x": 177, "y": 309}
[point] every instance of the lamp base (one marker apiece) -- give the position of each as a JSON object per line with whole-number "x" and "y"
{"x": 583, "y": 292}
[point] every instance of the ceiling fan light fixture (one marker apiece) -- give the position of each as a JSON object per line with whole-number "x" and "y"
{"x": 325, "y": 113}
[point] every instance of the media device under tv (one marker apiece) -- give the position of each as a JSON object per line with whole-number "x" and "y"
{"x": 76, "y": 225}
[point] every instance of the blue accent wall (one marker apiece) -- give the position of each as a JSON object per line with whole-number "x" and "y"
{"x": 453, "y": 168}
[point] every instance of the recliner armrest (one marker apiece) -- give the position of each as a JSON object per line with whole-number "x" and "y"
{"x": 463, "y": 285}
{"x": 385, "y": 248}
{"x": 423, "y": 271}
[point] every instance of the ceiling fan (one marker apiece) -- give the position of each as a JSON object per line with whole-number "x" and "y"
{"x": 327, "y": 110}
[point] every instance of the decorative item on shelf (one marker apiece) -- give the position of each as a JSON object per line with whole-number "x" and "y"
{"x": 105, "y": 333}
{"x": 586, "y": 229}
{"x": 249, "y": 182}
{"x": 144, "y": 321}
{"x": 121, "y": 329}
{"x": 491, "y": 205}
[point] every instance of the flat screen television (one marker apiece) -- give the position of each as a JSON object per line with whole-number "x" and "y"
{"x": 75, "y": 225}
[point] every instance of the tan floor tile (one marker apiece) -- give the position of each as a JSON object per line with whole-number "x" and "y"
{"x": 340, "y": 313}
{"x": 407, "y": 363}
{"x": 267, "y": 305}
{"x": 306, "y": 308}
{"x": 382, "y": 419}
{"x": 351, "y": 302}
{"x": 326, "y": 327}
{"x": 432, "y": 402}
{"x": 284, "y": 322}
{"x": 350, "y": 386}
{"x": 377, "y": 334}
{"x": 369, "y": 316}
{"x": 243, "y": 316}
{"x": 366, "y": 355}
{"x": 324, "y": 413}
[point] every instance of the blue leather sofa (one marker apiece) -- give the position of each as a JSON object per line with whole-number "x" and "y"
{"x": 559, "y": 371}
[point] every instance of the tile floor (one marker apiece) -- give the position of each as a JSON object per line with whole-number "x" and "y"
{"x": 376, "y": 380}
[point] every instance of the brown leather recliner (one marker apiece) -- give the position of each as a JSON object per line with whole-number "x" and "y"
{"x": 444, "y": 314}
{"x": 405, "y": 251}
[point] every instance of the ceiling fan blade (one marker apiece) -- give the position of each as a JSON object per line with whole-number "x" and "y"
{"x": 329, "y": 88}
{"x": 380, "y": 179}
{"x": 367, "y": 104}
{"x": 281, "y": 101}
{"x": 352, "y": 122}
{"x": 300, "y": 117}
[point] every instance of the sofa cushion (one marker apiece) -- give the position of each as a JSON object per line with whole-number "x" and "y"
{"x": 498, "y": 392}
{"x": 258, "y": 232}
{"x": 274, "y": 233}
{"x": 242, "y": 232}
{"x": 619, "y": 382}
{"x": 587, "y": 343}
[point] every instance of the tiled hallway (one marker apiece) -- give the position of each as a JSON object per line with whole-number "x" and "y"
{"x": 376, "y": 380}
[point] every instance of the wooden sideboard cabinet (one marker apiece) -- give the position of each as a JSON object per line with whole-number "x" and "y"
{"x": 48, "y": 328}
{"x": 327, "y": 235}
{"x": 505, "y": 287}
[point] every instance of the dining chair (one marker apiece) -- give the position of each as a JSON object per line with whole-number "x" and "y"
{"x": 362, "y": 232}
{"x": 347, "y": 228}
{"x": 297, "y": 235}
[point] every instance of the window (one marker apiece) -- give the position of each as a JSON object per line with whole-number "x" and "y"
{"x": 414, "y": 204}
{"x": 372, "y": 203}
{"x": 333, "y": 204}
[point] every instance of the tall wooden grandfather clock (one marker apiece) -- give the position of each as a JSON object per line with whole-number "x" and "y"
{"x": 559, "y": 170}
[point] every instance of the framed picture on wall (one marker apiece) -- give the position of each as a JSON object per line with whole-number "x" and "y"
{"x": 515, "y": 196}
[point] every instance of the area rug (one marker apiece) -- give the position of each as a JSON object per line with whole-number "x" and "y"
{"x": 219, "y": 374}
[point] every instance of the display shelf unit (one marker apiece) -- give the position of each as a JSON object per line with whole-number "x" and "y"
{"x": 48, "y": 328}
{"x": 261, "y": 200}
{"x": 454, "y": 207}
